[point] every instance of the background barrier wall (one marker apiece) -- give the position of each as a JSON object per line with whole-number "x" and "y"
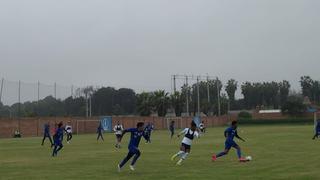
{"x": 31, "y": 127}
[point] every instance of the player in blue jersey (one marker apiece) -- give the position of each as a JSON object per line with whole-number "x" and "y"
{"x": 46, "y": 133}
{"x": 136, "y": 134}
{"x": 230, "y": 133}
{"x": 171, "y": 128}
{"x": 58, "y": 138}
{"x": 148, "y": 130}
{"x": 317, "y": 133}
{"x": 100, "y": 132}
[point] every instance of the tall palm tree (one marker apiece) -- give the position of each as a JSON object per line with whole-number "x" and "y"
{"x": 160, "y": 101}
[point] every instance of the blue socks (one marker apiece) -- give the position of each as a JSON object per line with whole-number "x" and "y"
{"x": 239, "y": 153}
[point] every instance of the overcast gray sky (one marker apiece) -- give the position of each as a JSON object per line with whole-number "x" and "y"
{"x": 141, "y": 43}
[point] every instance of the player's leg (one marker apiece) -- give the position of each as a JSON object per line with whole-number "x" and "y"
{"x": 44, "y": 138}
{"x": 237, "y": 147}
{"x": 180, "y": 153}
{"x": 185, "y": 154}
{"x": 70, "y": 137}
{"x": 50, "y": 139}
{"x": 172, "y": 133}
{"x": 54, "y": 150}
{"x": 59, "y": 148}
{"x": 101, "y": 136}
{"x": 126, "y": 159}
{"x": 223, "y": 153}
{"x": 119, "y": 138}
{"x": 135, "y": 158}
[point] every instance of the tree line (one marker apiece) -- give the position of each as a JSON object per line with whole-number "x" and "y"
{"x": 215, "y": 98}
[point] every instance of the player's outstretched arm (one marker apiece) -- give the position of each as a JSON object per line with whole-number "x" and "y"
{"x": 237, "y": 136}
{"x": 182, "y": 132}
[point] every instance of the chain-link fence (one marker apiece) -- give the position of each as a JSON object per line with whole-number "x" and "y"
{"x": 12, "y": 92}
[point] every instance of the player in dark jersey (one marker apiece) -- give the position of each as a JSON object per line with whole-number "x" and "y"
{"x": 171, "y": 128}
{"x": 46, "y": 134}
{"x": 136, "y": 134}
{"x": 58, "y": 138}
{"x": 230, "y": 133}
{"x": 317, "y": 129}
{"x": 100, "y": 132}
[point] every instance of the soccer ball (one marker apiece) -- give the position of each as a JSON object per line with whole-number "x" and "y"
{"x": 249, "y": 158}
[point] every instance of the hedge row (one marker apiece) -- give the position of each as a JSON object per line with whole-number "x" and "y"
{"x": 276, "y": 121}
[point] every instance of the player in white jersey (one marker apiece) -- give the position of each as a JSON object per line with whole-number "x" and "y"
{"x": 202, "y": 127}
{"x": 118, "y": 129}
{"x": 68, "y": 130}
{"x": 189, "y": 134}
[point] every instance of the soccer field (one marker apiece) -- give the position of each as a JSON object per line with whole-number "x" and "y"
{"x": 279, "y": 152}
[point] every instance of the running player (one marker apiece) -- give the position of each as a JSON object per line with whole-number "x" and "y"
{"x": 202, "y": 127}
{"x": 185, "y": 148}
{"x": 136, "y": 134}
{"x": 317, "y": 133}
{"x": 230, "y": 133}
{"x": 58, "y": 138}
{"x": 118, "y": 129}
{"x": 68, "y": 130}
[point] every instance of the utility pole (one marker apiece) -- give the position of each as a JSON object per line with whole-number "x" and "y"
{"x": 87, "y": 104}
{"x": 187, "y": 95}
{"x": 55, "y": 90}
{"x": 90, "y": 105}
{"x": 38, "y": 91}
{"x": 198, "y": 92}
{"x": 218, "y": 91}
{"x": 38, "y": 110}
{"x": 19, "y": 107}
{"x": 208, "y": 89}
{"x": 2, "y": 80}
{"x": 72, "y": 91}
{"x": 174, "y": 84}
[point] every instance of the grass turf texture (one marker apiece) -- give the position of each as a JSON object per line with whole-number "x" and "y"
{"x": 279, "y": 152}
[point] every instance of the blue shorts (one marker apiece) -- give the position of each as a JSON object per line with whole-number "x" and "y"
{"x": 58, "y": 143}
{"x": 230, "y": 144}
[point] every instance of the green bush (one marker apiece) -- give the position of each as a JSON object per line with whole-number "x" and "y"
{"x": 244, "y": 115}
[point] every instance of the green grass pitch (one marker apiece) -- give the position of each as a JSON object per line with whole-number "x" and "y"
{"x": 279, "y": 152}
